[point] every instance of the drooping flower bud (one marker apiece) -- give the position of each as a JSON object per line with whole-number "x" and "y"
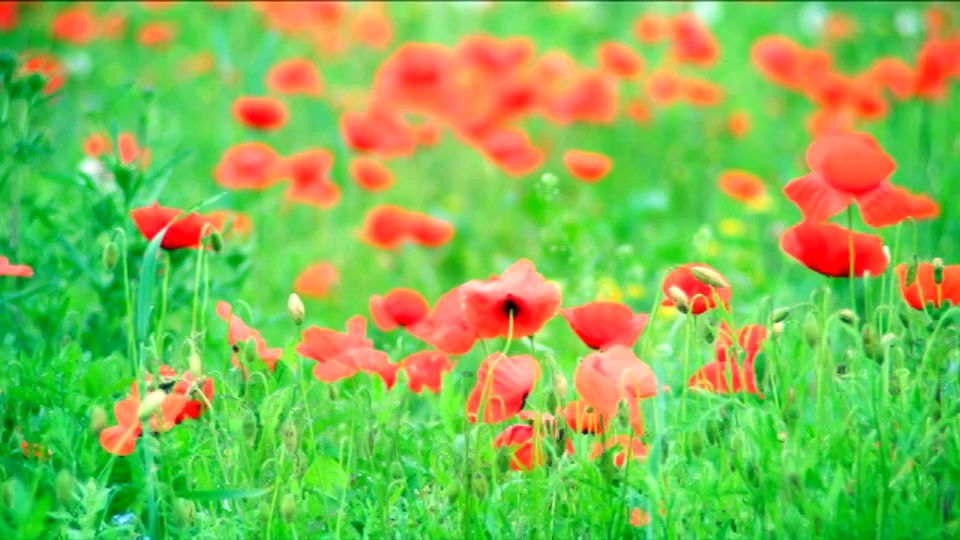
{"x": 64, "y": 485}
{"x": 709, "y": 276}
{"x": 811, "y": 330}
{"x": 216, "y": 241}
{"x": 111, "y": 254}
{"x": 680, "y": 299}
{"x": 295, "y": 309}
{"x": 780, "y": 314}
{"x": 847, "y": 316}
{"x": 290, "y": 435}
{"x": 195, "y": 363}
{"x": 98, "y": 419}
{"x": 288, "y": 507}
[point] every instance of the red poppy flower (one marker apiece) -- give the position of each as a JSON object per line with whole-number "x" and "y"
{"x": 738, "y": 124}
{"x": 199, "y": 394}
{"x": 924, "y": 288}
{"x": 725, "y": 378}
{"x": 425, "y": 369}
{"x": 604, "y": 378}
{"x": 415, "y": 78}
{"x": 601, "y": 325}
{"x": 238, "y": 332}
{"x": 121, "y": 439}
{"x": 129, "y": 151}
{"x": 701, "y": 93}
{"x": 503, "y": 384}
{"x": 639, "y": 111}
{"x": 96, "y": 145}
{"x": 587, "y": 166}
{"x": 317, "y": 280}
{"x": 664, "y": 86}
{"x": 750, "y": 339}
{"x": 399, "y": 307}
{"x": 14, "y": 270}
{"x": 743, "y": 186}
{"x": 75, "y": 26}
{"x": 295, "y": 76}
{"x": 341, "y": 355}
{"x": 446, "y": 328}
{"x": 780, "y": 59}
{"x": 511, "y": 150}
{"x": 823, "y": 122}
{"x": 493, "y": 56}
{"x": 310, "y": 183}
{"x": 250, "y": 165}
{"x": 186, "y": 232}
{"x": 893, "y": 74}
{"x": 584, "y": 419}
{"x": 651, "y": 28}
{"x": 386, "y": 226}
{"x": 372, "y": 27}
{"x": 624, "y": 445}
{"x": 527, "y": 450}
{"x": 692, "y": 42}
{"x": 8, "y": 16}
{"x": 429, "y": 231}
{"x": 156, "y": 35}
{"x": 591, "y": 97}
{"x": 260, "y": 113}
{"x": 825, "y": 248}
{"x": 370, "y": 174}
{"x": 378, "y": 131}
{"x": 516, "y": 304}
{"x": 848, "y": 168}
{"x": 50, "y": 67}
{"x": 701, "y": 293}
{"x": 619, "y": 59}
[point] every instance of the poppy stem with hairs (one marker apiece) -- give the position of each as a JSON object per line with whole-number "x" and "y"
{"x": 853, "y": 293}
{"x": 127, "y": 298}
{"x": 196, "y": 280}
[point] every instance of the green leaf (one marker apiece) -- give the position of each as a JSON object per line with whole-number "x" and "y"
{"x": 161, "y": 175}
{"x": 325, "y": 473}
{"x": 224, "y": 494}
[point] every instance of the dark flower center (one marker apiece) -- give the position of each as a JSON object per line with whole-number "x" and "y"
{"x": 511, "y": 306}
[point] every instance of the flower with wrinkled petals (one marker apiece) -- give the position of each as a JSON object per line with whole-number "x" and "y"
{"x": 701, "y": 296}
{"x": 503, "y": 384}
{"x": 924, "y": 286}
{"x": 399, "y": 307}
{"x": 601, "y": 325}
{"x": 425, "y": 370}
{"x": 516, "y": 304}
{"x": 825, "y": 248}
{"x": 445, "y": 327}
{"x": 604, "y": 378}
{"x": 184, "y": 231}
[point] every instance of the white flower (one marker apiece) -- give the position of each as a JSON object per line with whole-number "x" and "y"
{"x": 96, "y": 171}
{"x": 907, "y": 22}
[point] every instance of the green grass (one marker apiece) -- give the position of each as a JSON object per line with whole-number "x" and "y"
{"x": 849, "y": 440}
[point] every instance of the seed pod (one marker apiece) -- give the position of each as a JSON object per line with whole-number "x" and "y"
{"x": 98, "y": 419}
{"x": 779, "y": 315}
{"x": 249, "y": 427}
{"x": 709, "y": 276}
{"x": 295, "y": 309}
{"x": 216, "y": 241}
{"x": 396, "y": 471}
{"x": 288, "y": 507}
{"x": 680, "y": 299}
{"x": 560, "y": 385}
{"x": 778, "y": 329}
{"x": 65, "y": 485}
{"x": 263, "y": 512}
{"x": 111, "y": 254}
{"x": 847, "y": 316}
{"x": 811, "y": 330}
{"x": 289, "y": 435}
{"x": 938, "y": 270}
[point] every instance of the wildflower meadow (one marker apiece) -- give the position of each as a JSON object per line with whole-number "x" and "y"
{"x": 479, "y": 270}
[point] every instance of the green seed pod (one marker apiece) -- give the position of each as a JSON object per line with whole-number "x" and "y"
{"x": 98, "y": 419}
{"x": 938, "y": 270}
{"x": 263, "y": 512}
{"x": 480, "y": 486}
{"x": 847, "y": 316}
{"x": 111, "y": 254}
{"x": 695, "y": 441}
{"x": 65, "y": 485}
{"x": 290, "y": 435}
{"x": 779, "y": 315}
{"x": 811, "y": 330}
{"x": 288, "y": 507}
{"x": 184, "y": 512}
{"x": 396, "y": 471}
{"x": 249, "y": 426}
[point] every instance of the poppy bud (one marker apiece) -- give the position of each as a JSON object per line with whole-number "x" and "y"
{"x": 249, "y": 427}
{"x": 295, "y": 309}
{"x": 811, "y": 330}
{"x": 250, "y": 355}
{"x": 680, "y": 299}
{"x": 98, "y": 419}
{"x": 288, "y": 507}
{"x": 871, "y": 342}
{"x": 453, "y": 492}
{"x": 289, "y": 435}
{"x": 300, "y": 463}
{"x": 560, "y": 385}
{"x": 780, "y": 314}
{"x": 709, "y": 276}
{"x": 695, "y": 442}
{"x": 111, "y": 254}
{"x": 152, "y": 403}
{"x": 888, "y": 339}
{"x": 847, "y": 316}
{"x": 396, "y": 471}
{"x": 216, "y": 241}
{"x": 791, "y": 395}
{"x": 184, "y": 512}
{"x": 64, "y": 485}
{"x": 195, "y": 363}
{"x": 263, "y": 512}
{"x": 778, "y": 329}
{"x": 480, "y": 486}
{"x": 938, "y": 270}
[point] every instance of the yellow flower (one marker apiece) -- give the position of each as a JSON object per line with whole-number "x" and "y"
{"x": 732, "y": 227}
{"x": 608, "y": 290}
{"x": 635, "y": 290}
{"x": 667, "y": 312}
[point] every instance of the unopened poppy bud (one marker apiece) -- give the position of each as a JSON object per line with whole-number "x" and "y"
{"x": 289, "y": 435}
{"x": 98, "y": 419}
{"x": 216, "y": 241}
{"x": 709, "y": 276}
{"x": 295, "y": 309}
{"x": 888, "y": 339}
{"x": 560, "y": 385}
{"x": 250, "y": 354}
{"x": 938, "y": 270}
{"x": 195, "y": 363}
{"x": 152, "y": 403}
{"x": 64, "y": 485}
{"x": 778, "y": 328}
{"x": 811, "y": 330}
{"x": 249, "y": 427}
{"x": 780, "y": 314}
{"x": 791, "y": 395}
{"x": 680, "y": 299}
{"x": 184, "y": 512}
{"x": 847, "y": 316}
{"x": 396, "y": 471}
{"x": 480, "y": 486}
{"x": 111, "y": 254}
{"x": 288, "y": 507}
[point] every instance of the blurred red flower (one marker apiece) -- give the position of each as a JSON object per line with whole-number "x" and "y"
{"x": 503, "y": 384}
{"x": 826, "y": 248}
{"x": 601, "y": 325}
{"x": 186, "y": 231}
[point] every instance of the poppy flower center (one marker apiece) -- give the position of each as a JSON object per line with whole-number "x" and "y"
{"x": 511, "y": 306}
